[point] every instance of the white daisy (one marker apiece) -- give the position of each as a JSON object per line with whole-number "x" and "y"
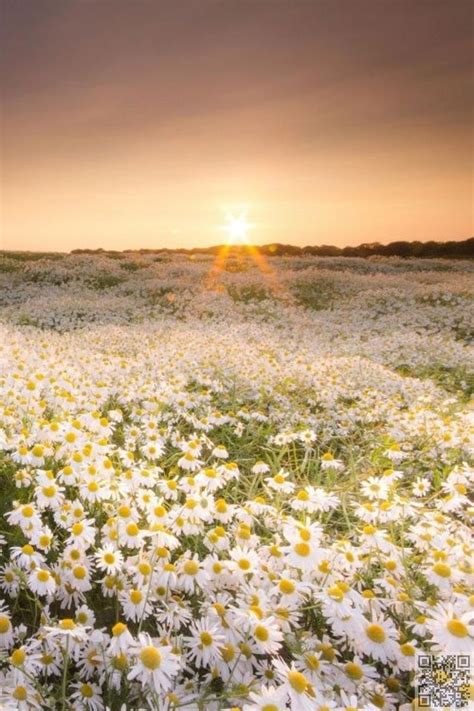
{"x": 153, "y": 665}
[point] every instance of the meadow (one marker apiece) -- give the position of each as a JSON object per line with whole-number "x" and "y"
{"x": 234, "y": 483}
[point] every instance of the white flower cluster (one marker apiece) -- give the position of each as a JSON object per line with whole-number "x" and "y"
{"x": 229, "y": 500}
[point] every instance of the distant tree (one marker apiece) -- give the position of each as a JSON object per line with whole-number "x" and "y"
{"x": 400, "y": 248}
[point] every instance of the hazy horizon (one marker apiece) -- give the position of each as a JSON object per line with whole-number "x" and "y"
{"x": 138, "y": 124}
{"x": 254, "y": 244}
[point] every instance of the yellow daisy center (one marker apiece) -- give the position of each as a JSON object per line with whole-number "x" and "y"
{"x": 302, "y": 549}
{"x": 136, "y": 597}
{"x": 286, "y": 586}
{"x": 4, "y": 624}
{"x": 150, "y": 657}
{"x": 442, "y": 569}
{"x": 191, "y": 567}
{"x": 354, "y": 671}
{"x": 261, "y": 633}
{"x": 457, "y": 628}
{"x": 119, "y": 629}
{"x": 298, "y": 681}
{"x": 67, "y": 624}
{"x": 18, "y": 657}
{"x": 87, "y": 691}
{"x": 375, "y": 633}
{"x": 20, "y": 693}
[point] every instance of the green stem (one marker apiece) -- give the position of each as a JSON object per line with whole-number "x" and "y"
{"x": 64, "y": 680}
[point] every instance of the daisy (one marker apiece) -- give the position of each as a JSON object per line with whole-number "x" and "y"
{"x": 85, "y": 616}
{"x": 218, "y": 571}
{"x": 126, "y": 513}
{"x": 265, "y": 635}
{"x": 301, "y": 555}
{"x": 353, "y": 703}
{"x": 153, "y": 450}
{"x": 26, "y": 517}
{"x": 279, "y": 482}
{"x": 121, "y": 639}
{"x": 220, "y": 452}
{"x": 338, "y": 607}
{"x": 143, "y": 569}
{"x": 92, "y": 657}
{"x": 243, "y": 561}
{"x": 21, "y": 455}
{"x": 191, "y": 574}
{"x": 49, "y": 495}
{"x": 189, "y": 462}
{"x": 451, "y": 633}
{"x": 216, "y": 539}
{"x": 166, "y": 577}
{"x": 109, "y": 560}
{"x": 175, "y": 613}
{"x": 357, "y": 672}
{"x": 375, "y": 488}
{"x": 20, "y": 697}
{"x": 131, "y": 535}
{"x": 43, "y": 538}
{"x": 313, "y": 667}
{"x": 26, "y": 557}
{"x": 82, "y": 533}
{"x": 329, "y": 462}
{"x": 204, "y": 642}
{"x": 289, "y": 589}
{"x": 23, "y": 478}
{"x": 307, "y": 531}
{"x": 157, "y": 514}
{"x": 442, "y": 575}
{"x": 87, "y": 696}
{"x": 269, "y": 698}
{"x": 51, "y": 660}
{"x": 298, "y": 689}
{"x": 223, "y": 511}
{"x": 229, "y": 471}
{"x": 153, "y": 665}
{"x": 210, "y": 479}
{"x": 6, "y": 628}
{"x": 79, "y": 578}
{"x": 377, "y": 639}
{"x": 395, "y": 454}
{"x": 41, "y": 582}
{"x": 406, "y": 658}
{"x": 95, "y": 490}
{"x": 307, "y": 437}
{"x": 260, "y": 468}
{"x": 9, "y": 580}
{"x": 421, "y": 486}
{"x": 288, "y": 617}
{"x": 67, "y": 630}
{"x": 135, "y": 605}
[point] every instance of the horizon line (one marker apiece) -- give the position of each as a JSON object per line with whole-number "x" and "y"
{"x": 238, "y": 246}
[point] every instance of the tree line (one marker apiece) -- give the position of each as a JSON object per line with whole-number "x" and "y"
{"x": 463, "y": 249}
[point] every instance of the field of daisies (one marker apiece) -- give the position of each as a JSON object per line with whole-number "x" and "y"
{"x": 232, "y": 484}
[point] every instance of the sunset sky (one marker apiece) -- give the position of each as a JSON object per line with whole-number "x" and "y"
{"x": 138, "y": 124}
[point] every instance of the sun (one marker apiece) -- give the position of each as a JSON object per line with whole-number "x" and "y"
{"x": 237, "y": 228}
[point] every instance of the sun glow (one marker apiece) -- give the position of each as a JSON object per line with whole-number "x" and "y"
{"x": 239, "y": 248}
{"x": 237, "y": 228}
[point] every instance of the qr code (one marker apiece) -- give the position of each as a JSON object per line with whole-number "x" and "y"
{"x": 443, "y": 681}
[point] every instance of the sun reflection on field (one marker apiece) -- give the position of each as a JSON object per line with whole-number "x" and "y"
{"x": 239, "y": 247}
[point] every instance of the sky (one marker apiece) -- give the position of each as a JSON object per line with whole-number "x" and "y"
{"x": 143, "y": 123}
